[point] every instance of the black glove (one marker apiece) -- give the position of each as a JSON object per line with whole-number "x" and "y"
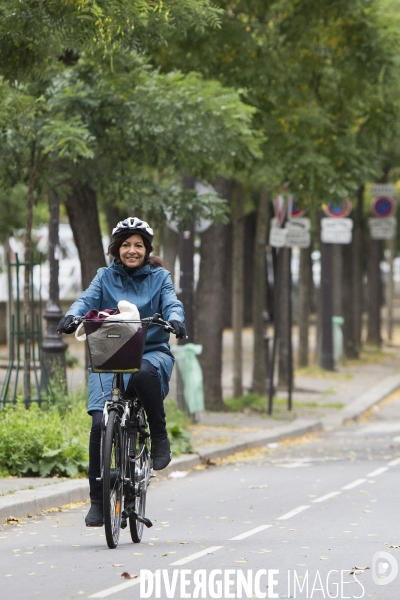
{"x": 66, "y": 325}
{"x": 180, "y": 329}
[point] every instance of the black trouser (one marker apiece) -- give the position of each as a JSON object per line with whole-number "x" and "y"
{"x": 147, "y": 386}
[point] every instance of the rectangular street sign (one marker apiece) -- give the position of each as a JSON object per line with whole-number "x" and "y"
{"x": 336, "y": 231}
{"x": 383, "y": 189}
{"x": 277, "y": 237}
{"x": 298, "y": 232}
{"x": 382, "y": 229}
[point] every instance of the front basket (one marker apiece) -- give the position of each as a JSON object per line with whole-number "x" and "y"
{"x": 115, "y": 346}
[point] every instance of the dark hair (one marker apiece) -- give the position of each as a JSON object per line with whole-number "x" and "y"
{"x": 113, "y": 250}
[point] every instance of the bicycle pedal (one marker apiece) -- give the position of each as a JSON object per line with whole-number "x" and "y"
{"x": 124, "y": 523}
{"x": 145, "y": 521}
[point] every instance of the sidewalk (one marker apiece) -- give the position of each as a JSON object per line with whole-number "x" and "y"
{"x": 321, "y": 401}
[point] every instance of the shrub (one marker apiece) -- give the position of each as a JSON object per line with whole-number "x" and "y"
{"x": 43, "y": 441}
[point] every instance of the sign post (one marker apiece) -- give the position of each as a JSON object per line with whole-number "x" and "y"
{"x": 382, "y": 226}
{"x": 336, "y": 228}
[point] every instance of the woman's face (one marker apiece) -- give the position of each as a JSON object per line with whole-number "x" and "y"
{"x": 132, "y": 251}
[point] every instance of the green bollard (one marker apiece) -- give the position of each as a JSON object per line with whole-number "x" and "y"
{"x": 337, "y": 323}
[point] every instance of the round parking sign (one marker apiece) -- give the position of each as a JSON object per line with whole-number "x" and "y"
{"x": 339, "y": 209}
{"x": 383, "y": 206}
{"x": 296, "y": 210}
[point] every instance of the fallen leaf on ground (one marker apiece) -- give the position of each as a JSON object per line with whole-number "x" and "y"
{"x": 128, "y": 576}
{"x": 178, "y": 474}
{"x": 257, "y": 487}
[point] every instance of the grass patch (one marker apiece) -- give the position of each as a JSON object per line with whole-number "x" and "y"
{"x": 316, "y": 371}
{"x": 260, "y": 403}
{"x": 254, "y": 401}
{"x": 369, "y": 355}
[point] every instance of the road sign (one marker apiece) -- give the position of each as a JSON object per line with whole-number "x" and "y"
{"x": 298, "y": 232}
{"x": 277, "y": 237}
{"x": 280, "y": 208}
{"x": 296, "y": 212}
{"x": 383, "y": 189}
{"x": 383, "y": 206}
{"x": 339, "y": 209}
{"x": 336, "y": 231}
{"x": 382, "y": 229}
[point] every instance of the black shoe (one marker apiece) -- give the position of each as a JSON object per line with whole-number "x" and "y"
{"x": 94, "y": 518}
{"x": 161, "y": 454}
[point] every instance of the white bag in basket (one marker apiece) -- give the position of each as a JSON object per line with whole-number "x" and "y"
{"x": 127, "y": 312}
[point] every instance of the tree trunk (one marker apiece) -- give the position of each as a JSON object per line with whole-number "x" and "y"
{"x": 228, "y": 277}
{"x": 304, "y": 305}
{"x": 391, "y": 247}
{"x": 114, "y": 214}
{"x": 374, "y": 293}
{"x": 326, "y": 356}
{"x": 350, "y": 344}
{"x": 285, "y": 378}
{"x": 84, "y": 220}
{"x": 250, "y": 227}
{"x": 210, "y": 308}
{"x": 358, "y": 269}
{"x": 259, "y": 295}
{"x": 170, "y": 249}
{"x": 237, "y": 288}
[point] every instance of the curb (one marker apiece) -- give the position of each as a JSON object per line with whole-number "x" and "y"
{"x": 362, "y": 403}
{"x": 295, "y": 429}
{"x": 24, "y": 502}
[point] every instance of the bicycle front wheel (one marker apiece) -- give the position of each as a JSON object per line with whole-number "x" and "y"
{"x": 141, "y": 470}
{"x": 112, "y": 479}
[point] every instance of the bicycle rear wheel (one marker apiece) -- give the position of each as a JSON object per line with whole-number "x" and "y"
{"x": 140, "y": 473}
{"x": 112, "y": 479}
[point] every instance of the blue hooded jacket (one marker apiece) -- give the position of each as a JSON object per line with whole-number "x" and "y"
{"x": 151, "y": 289}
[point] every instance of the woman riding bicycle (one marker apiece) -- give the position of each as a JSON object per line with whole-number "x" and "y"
{"x": 139, "y": 278}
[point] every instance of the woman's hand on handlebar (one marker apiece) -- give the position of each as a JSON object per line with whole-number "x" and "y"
{"x": 68, "y": 324}
{"x": 179, "y": 329}
{"x": 172, "y": 327}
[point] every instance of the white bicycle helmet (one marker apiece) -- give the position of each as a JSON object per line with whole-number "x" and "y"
{"x": 134, "y": 225}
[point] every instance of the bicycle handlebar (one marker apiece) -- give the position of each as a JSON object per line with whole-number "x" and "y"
{"x": 155, "y": 320}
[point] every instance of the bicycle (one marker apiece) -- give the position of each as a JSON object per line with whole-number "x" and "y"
{"x": 125, "y": 455}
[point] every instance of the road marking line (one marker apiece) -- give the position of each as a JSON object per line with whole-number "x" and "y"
{"x": 326, "y": 497}
{"x": 249, "y": 533}
{"x": 191, "y": 557}
{"x": 294, "y": 512}
{"x": 394, "y": 462}
{"x": 116, "y": 588}
{"x": 378, "y": 472}
{"x": 353, "y": 484}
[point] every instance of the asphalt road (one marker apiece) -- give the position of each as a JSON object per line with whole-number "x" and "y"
{"x": 299, "y": 518}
